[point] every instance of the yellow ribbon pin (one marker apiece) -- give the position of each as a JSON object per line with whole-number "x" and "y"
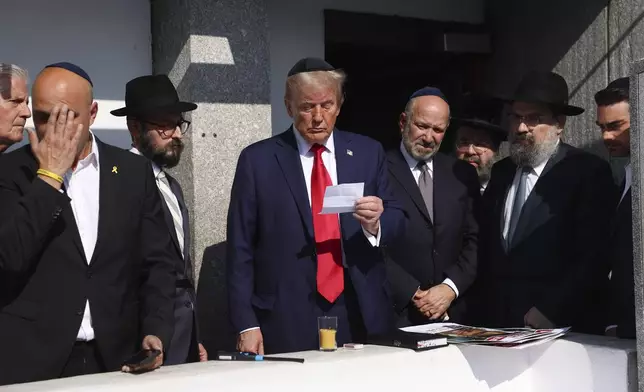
{"x": 115, "y": 169}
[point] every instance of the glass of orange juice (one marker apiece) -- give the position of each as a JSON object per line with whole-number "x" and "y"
{"x": 327, "y": 328}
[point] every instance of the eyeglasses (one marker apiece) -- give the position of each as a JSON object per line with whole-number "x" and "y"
{"x": 530, "y": 120}
{"x": 168, "y": 129}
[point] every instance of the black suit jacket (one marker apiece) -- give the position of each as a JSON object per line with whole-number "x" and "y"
{"x": 183, "y": 346}
{"x": 622, "y": 306}
{"x": 45, "y": 279}
{"x": 557, "y": 261}
{"x": 430, "y": 251}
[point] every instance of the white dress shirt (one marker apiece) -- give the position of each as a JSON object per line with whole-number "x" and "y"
{"x": 628, "y": 179}
{"x": 531, "y": 181}
{"x": 82, "y": 187}
{"x": 167, "y": 191}
{"x": 413, "y": 166}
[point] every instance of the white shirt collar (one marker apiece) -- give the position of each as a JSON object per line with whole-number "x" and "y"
{"x": 155, "y": 168}
{"x": 413, "y": 162}
{"x": 304, "y": 147}
{"x": 91, "y": 158}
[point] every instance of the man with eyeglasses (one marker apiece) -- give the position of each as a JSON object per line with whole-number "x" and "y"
{"x": 477, "y": 143}
{"x": 546, "y": 214}
{"x": 614, "y": 121}
{"x": 431, "y": 268}
{"x": 478, "y": 137}
{"x": 154, "y": 119}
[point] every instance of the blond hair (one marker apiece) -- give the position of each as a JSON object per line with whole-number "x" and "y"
{"x": 335, "y": 78}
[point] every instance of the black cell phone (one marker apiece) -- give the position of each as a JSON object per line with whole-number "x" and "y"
{"x": 142, "y": 358}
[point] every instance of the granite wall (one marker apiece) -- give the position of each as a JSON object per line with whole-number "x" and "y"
{"x": 216, "y": 52}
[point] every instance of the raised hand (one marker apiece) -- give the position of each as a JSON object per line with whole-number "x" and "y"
{"x": 59, "y": 146}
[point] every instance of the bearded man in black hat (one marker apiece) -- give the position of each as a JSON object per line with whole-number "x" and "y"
{"x": 156, "y": 124}
{"x": 546, "y": 215}
{"x": 287, "y": 263}
{"x": 478, "y": 137}
{"x": 478, "y": 143}
{"x": 86, "y": 262}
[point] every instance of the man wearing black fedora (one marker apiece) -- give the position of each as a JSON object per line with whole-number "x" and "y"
{"x": 478, "y": 137}
{"x": 156, "y": 124}
{"x": 546, "y": 215}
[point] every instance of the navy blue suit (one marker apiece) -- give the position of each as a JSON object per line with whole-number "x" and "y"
{"x": 271, "y": 262}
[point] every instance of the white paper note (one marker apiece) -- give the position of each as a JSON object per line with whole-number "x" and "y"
{"x": 341, "y": 198}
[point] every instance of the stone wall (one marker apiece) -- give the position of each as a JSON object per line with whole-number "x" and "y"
{"x": 216, "y": 52}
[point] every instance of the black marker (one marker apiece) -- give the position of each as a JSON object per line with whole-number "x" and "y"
{"x": 237, "y": 356}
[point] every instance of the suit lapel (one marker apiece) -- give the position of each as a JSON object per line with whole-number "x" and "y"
{"x": 178, "y": 192}
{"x": 108, "y": 203}
{"x": 70, "y": 221}
{"x": 498, "y": 194}
{"x": 400, "y": 169}
{"x": 288, "y": 158}
{"x": 535, "y": 198}
{"x": 344, "y": 167}
{"x": 441, "y": 189}
{"x": 168, "y": 219}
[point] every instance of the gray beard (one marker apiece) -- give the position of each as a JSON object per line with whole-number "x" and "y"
{"x": 533, "y": 155}
{"x": 409, "y": 146}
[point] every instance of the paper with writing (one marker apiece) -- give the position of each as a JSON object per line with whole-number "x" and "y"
{"x": 342, "y": 198}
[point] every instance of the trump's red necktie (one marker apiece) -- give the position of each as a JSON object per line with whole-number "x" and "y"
{"x": 330, "y": 273}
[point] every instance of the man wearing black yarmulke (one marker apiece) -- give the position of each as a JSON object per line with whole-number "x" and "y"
{"x": 431, "y": 268}
{"x": 86, "y": 260}
{"x": 288, "y": 264}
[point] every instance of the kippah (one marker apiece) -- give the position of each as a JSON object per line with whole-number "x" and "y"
{"x": 429, "y": 92}
{"x": 72, "y": 68}
{"x": 310, "y": 64}
{"x": 621, "y": 83}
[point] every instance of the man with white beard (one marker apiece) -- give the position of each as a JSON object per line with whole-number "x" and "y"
{"x": 546, "y": 217}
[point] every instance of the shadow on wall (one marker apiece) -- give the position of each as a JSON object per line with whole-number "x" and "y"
{"x": 519, "y": 48}
{"x": 212, "y": 302}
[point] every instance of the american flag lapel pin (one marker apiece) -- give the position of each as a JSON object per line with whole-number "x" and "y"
{"x": 350, "y": 153}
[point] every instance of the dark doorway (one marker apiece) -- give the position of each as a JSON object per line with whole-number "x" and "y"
{"x": 387, "y": 58}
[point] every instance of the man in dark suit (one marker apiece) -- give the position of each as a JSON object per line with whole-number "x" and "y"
{"x": 86, "y": 269}
{"x": 478, "y": 137}
{"x": 435, "y": 262}
{"x": 614, "y": 120}
{"x": 155, "y": 121}
{"x": 14, "y": 104}
{"x": 546, "y": 216}
{"x": 287, "y": 264}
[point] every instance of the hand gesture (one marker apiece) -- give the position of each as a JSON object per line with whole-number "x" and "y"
{"x": 58, "y": 149}
{"x": 434, "y": 302}
{"x": 150, "y": 342}
{"x": 368, "y": 211}
{"x": 251, "y": 342}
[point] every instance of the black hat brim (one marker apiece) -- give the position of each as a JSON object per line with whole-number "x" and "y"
{"x": 565, "y": 109}
{"x": 179, "y": 107}
{"x": 497, "y": 133}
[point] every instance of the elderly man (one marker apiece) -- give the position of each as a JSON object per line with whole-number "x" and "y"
{"x": 546, "y": 214}
{"x": 614, "y": 121}
{"x": 14, "y": 104}
{"x": 86, "y": 262}
{"x": 156, "y": 124}
{"x": 435, "y": 262}
{"x": 288, "y": 264}
{"x": 477, "y": 143}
